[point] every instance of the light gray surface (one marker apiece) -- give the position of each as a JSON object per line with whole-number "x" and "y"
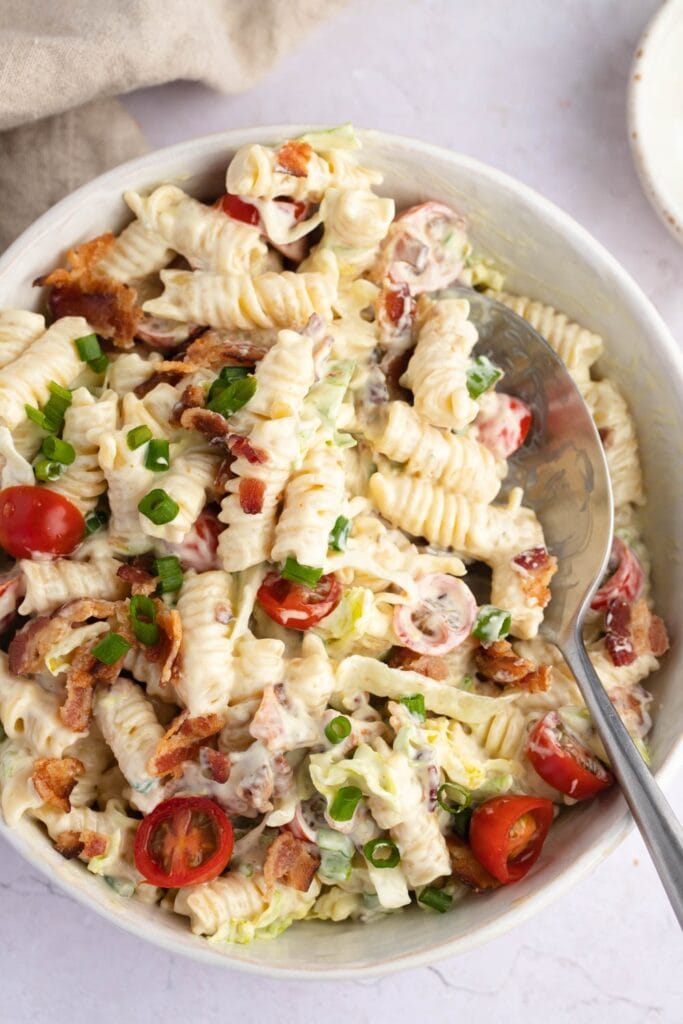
{"x": 538, "y": 90}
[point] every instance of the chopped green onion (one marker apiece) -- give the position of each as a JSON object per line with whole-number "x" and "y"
{"x": 227, "y": 375}
{"x": 44, "y": 469}
{"x": 345, "y": 802}
{"x": 233, "y": 396}
{"x": 330, "y": 839}
{"x": 143, "y": 617}
{"x": 416, "y": 705}
{"x": 334, "y": 866}
{"x": 51, "y": 417}
{"x": 491, "y": 624}
{"x": 159, "y": 507}
{"x": 453, "y": 797}
{"x": 482, "y": 374}
{"x": 36, "y": 416}
{"x": 338, "y": 729}
{"x": 157, "y": 458}
{"x": 297, "y": 573}
{"x": 99, "y": 365}
{"x": 382, "y": 853}
{"x": 94, "y": 521}
{"x": 435, "y": 899}
{"x": 138, "y": 436}
{"x": 112, "y": 647}
{"x": 460, "y": 822}
{"x": 61, "y": 451}
{"x": 88, "y": 347}
{"x": 169, "y": 572}
{"x": 339, "y": 534}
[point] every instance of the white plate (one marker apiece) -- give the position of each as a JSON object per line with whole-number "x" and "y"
{"x": 655, "y": 112}
{"x": 549, "y": 256}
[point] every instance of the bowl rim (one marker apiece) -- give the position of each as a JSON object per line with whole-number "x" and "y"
{"x": 522, "y": 910}
{"x": 669, "y": 213}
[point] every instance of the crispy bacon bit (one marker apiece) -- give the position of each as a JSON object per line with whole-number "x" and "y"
{"x": 536, "y": 569}
{"x": 29, "y": 646}
{"x": 618, "y": 640}
{"x": 658, "y": 637}
{"x": 54, "y": 778}
{"x": 537, "y": 681}
{"x": 290, "y": 861}
{"x": 223, "y": 474}
{"x": 211, "y": 424}
{"x": 193, "y": 397}
{"x": 219, "y": 764}
{"x": 109, "y": 306}
{"x": 293, "y": 158}
{"x": 165, "y": 652}
{"x": 500, "y": 663}
{"x": 215, "y": 349}
{"x": 85, "y": 843}
{"x": 141, "y": 581}
{"x": 393, "y": 366}
{"x": 532, "y": 558}
{"x": 156, "y": 378}
{"x": 395, "y": 311}
{"x": 183, "y": 741}
{"x": 251, "y": 493}
{"x": 425, "y": 664}
{"x": 84, "y": 674}
{"x": 240, "y": 447}
{"x": 466, "y": 868}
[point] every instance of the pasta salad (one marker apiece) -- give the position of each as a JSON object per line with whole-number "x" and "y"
{"x": 249, "y": 460}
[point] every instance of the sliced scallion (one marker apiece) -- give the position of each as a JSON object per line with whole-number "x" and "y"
{"x": 345, "y": 802}
{"x": 382, "y": 853}
{"x": 159, "y": 507}
{"x": 112, "y": 647}
{"x": 338, "y": 729}
{"x": 46, "y": 470}
{"x": 482, "y": 374}
{"x": 157, "y": 457}
{"x": 88, "y": 347}
{"x": 416, "y": 705}
{"x": 293, "y": 571}
{"x": 143, "y": 615}
{"x": 233, "y": 396}
{"x": 339, "y": 534}
{"x": 94, "y": 521}
{"x": 58, "y": 450}
{"x": 138, "y": 436}
{"x": 435, "y": 899}
{"x": 99, "y": 365}
{"x": 453, "y": 797}
{"x": 169, "y": 572}
{"x": 460, "y": 822}
{"x": 491, "y": 624}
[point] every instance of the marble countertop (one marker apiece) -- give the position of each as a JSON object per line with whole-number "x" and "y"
{"x": 538, "y": 90}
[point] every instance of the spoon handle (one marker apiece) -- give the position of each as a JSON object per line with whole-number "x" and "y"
{"x": 651, "y": 811}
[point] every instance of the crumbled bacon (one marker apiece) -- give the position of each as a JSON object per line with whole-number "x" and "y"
{"x": 293, "y": 158}
{"x": 85, "y": 673}
{"x": 536, "y": 568}
{"x": 425, "y": 664}
{"x": 141, "y": 581}
{"x": 183, "y": 741}
{"x": 632, "y": 630}
{"x": 500, "y": 663}
{"x": 29, "y": 646}
{"x": 466, "y": 868}
{"x": 219, "y": 764}
{"x": 290, "y": 861}
{"x": 85, "y": 843}
{"x": 193, "y": 397}
{"x": 165, "y": 652}
{"x": 109, "y": 306}
{"x": 215, "y": 349}
{"x": 156, "y": 378}
{"x": 395, "y": 310}
{"x": 54, "y": 778}
{"x": 240, "y": 447}
{"x": 211, "y": 424}
{"x": 658, "y": 638}
{"x": 251, "y": 494}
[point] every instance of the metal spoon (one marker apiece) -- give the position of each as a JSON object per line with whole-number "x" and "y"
{"x": 565, "y": 479}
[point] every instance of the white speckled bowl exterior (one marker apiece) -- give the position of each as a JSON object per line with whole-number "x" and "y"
{"x": 655, "y": 114}
{"x": 550, "y": 257}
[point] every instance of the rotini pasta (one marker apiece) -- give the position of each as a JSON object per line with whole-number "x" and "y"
{"x": 18, "y": 330}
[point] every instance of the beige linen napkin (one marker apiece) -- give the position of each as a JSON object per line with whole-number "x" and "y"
{"x": 61, "y": 61}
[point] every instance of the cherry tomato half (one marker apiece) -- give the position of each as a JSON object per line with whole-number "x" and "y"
{"x": 198, "y": 550}
{"x": 36, "y": 520}
{"x": 507, "y": 834}
{"x": 238, "y": 209}
{"x": 184, "y": 841}
{"x": 563, "y": 762}
{"x": 625, "y": 580}
{"x": 503, "y": 424}
{"x": 296, "y": 606}
{"x": 441, "y": 618}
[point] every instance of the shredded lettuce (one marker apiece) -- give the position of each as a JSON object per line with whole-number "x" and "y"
{"x": 342, "y": 136}
{"x": 366, "y": 769}
{"x": 286, "y": 906}
{"x": 327, "y": 395}
{"x": 58, "y": 658}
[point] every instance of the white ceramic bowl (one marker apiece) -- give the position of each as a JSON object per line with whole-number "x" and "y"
{"x": 655, "y": 114}
{"x": 550, "y": 257}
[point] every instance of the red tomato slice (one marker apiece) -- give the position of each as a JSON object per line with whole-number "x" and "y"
{"x": 296, "y": 606}
{"x": 199, "y": 549}
{"x": 505, "y": 424}
{"x": 507, "y": 834}
{"x": 184, "y": 841}
{"x": 238, "y": 209}
{"x": 36, "y": 520}
{"x": 626, "y": 580}
{"x": 563, "y": 762}
{"x": 441, "y": 618}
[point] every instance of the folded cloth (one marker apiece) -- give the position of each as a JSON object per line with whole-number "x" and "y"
{"x": 58, "y": 62}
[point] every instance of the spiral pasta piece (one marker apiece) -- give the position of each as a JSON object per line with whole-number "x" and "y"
{"x": 610, "y": 412}
{"x": 356, "y": 221}
{"x": 503, "y": 734}
{"x": 136, "y": 253}
{"x": 18, "y": 329}
{"x": 131, "y": 729}
{"x": 205, "y": 605}
{"x": 207, "y": 238}
{"x": 30, "y": 715}
{"x": 437, "y": 371}
{"x": 51, "y": 584}
{"x": 53, "y": 357}
{"x": 313, "y": 499}
{"x": 453, "y": 461}
{"x": 86, "y": 422}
